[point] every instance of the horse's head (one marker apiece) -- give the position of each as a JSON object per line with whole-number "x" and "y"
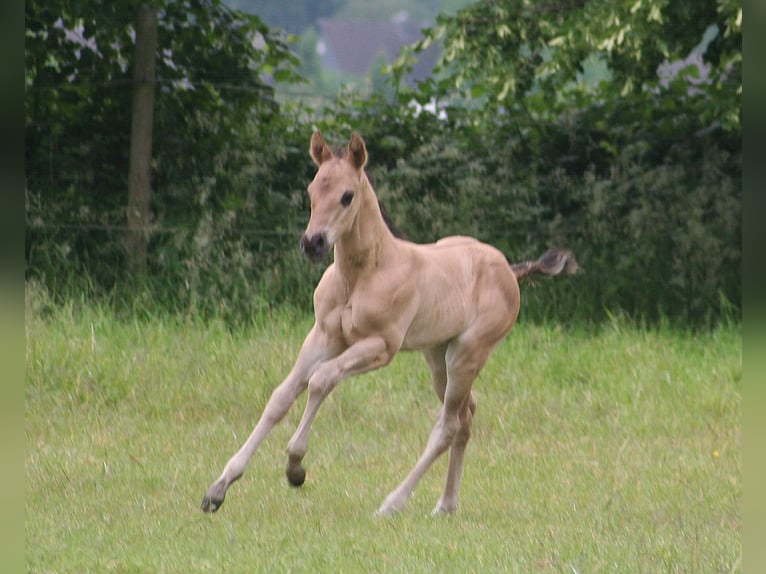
{"x": 334, "y": 194}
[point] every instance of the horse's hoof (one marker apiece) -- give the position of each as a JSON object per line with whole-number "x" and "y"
{"x": 296, "y": 475}
{"x": 443, "y": 510}
{"x": 210, "y": 505}
{"x": 389, "y": 508}
{"x": 386, "y": 511}
{"x": 213, "y": 498}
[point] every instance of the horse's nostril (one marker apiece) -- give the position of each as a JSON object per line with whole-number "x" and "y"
{"x": 315, "y": 247}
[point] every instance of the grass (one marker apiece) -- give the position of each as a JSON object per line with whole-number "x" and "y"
{"x": 602, "y": 449}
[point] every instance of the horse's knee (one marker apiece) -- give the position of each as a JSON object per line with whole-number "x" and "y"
{"x": 447, "y": 430}
{"x": 323, "y": 380}
{"x": 463, "y": 434}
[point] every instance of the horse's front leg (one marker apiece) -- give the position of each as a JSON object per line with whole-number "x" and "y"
{"x": 365, "y": 355}
{"x": 315, "y": 349}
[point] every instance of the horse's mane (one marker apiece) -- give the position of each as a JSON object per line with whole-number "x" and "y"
{"x": 390, "y": 224}
{"x": 339, "y": 151}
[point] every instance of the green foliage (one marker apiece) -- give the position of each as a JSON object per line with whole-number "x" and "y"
{"x": 553, "y": 129}
{"x": 510, "y": 56}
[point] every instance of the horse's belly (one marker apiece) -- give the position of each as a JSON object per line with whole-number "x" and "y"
{"x": 436, "y": 324}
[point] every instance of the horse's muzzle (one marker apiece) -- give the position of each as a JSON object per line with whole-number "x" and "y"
{"x": 315, "y": 247}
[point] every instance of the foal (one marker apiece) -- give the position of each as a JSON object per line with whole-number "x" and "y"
{"x": 453, "y": 300}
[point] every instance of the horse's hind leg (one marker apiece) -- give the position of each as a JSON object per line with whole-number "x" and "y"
{"x": 448, "y": 501}
{"x": 463, "y": 363}
{"x": 437, "y": 363}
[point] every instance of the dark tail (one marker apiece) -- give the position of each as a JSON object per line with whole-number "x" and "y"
{"x": 553, "y": 262}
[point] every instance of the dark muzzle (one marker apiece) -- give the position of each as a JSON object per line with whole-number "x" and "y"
{"x": 315, "y": 247}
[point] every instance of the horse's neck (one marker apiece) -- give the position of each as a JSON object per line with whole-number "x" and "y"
{"x": 369, "y": 240}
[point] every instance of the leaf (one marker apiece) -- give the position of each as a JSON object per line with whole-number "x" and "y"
{"x": 477, "y": 91}
{"x": 284, "y": 75}
{"x": 507, "y": 86}
{"x": 557, "y": 41}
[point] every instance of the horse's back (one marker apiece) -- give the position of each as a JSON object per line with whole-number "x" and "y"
{"x": 468, "y": 256}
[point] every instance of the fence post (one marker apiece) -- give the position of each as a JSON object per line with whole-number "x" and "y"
{"x": 139, "y": 177}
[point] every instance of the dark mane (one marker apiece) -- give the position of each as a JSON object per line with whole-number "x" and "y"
{"x": 390, "y": 224}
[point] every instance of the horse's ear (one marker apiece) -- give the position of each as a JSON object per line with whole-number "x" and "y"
{"x": 357, "y": 153}
{"x": 319, "y": 150}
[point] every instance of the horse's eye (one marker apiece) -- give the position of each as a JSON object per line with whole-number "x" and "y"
{"x": 346, "y": 198}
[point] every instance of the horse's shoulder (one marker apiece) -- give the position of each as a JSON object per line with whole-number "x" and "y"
{"x": 326, "y": 293}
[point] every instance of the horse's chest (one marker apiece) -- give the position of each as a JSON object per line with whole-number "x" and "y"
{"x": 347, "y": 321}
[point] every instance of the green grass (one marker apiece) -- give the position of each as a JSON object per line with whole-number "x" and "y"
{"x": 601, "y": 449}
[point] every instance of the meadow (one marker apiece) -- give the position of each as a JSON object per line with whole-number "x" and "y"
{"x": 598, "y": 448}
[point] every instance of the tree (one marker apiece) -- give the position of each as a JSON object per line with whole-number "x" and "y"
{"x": 513, "y": 55}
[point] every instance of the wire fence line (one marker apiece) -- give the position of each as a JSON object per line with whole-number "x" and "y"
{"x": 489, "y": 234}
{"x": 156, "y": 228}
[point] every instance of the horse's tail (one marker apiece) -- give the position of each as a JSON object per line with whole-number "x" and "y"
{"x": 553, "y": 262}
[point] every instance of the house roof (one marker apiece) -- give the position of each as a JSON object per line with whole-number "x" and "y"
{"x": 354, "y": 46}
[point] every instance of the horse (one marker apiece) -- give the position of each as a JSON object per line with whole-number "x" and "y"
{"x": 453, "y": 300}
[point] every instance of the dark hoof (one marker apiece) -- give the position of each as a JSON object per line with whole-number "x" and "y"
{"x": 210, "y": 505}
{"x": 213, "y": 498}
{"x": 296, "y": 475}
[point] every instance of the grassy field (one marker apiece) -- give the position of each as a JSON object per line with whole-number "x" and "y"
{"x": 601, "y": 449}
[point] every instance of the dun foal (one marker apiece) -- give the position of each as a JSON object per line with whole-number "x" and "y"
{"x": 453, "y": 300}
